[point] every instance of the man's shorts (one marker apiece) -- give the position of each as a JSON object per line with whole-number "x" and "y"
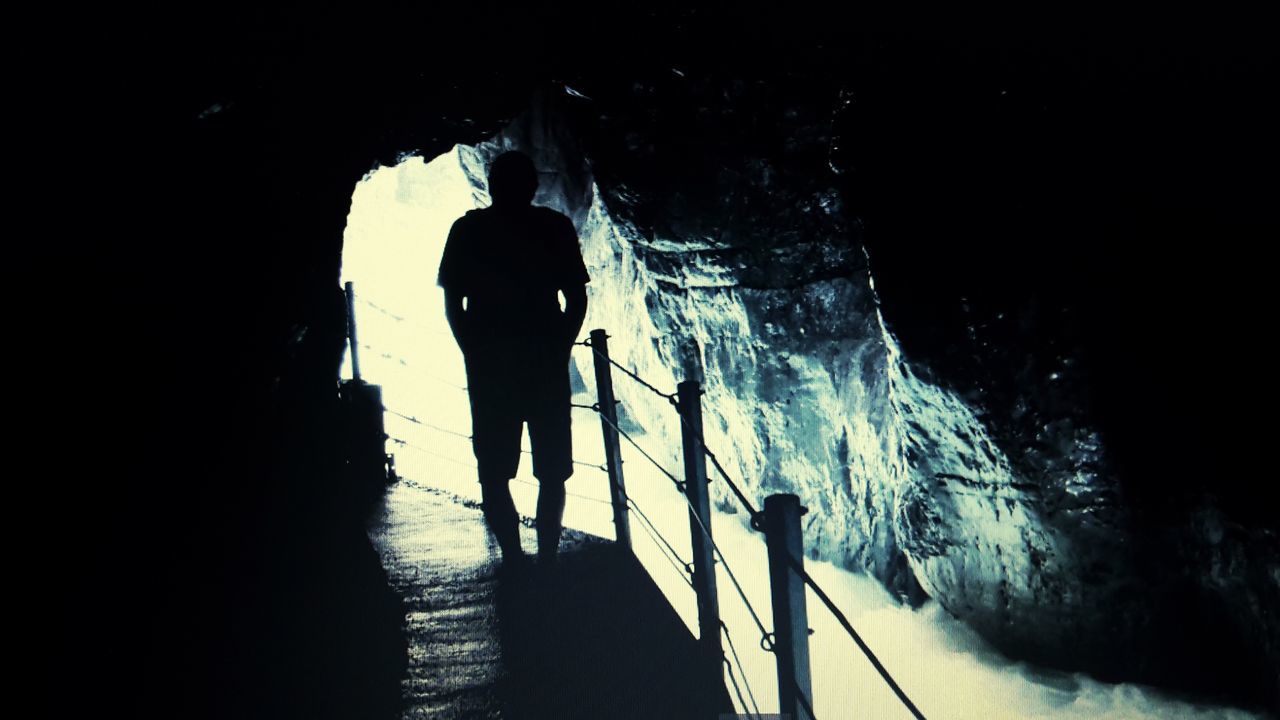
{"x": 509, "y": 389}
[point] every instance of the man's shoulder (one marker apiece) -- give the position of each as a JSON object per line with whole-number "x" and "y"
{"x": 553, "y": 218}
{"x": 547, "y": 212}
{"x": 468, "y": 220}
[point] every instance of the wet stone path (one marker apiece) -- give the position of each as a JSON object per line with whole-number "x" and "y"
{"x": 442, "y": 562}
{"x": 595, "y": 638}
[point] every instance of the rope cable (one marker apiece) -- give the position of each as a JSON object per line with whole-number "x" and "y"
{"x": 464, "y": 436}
{"x": 401, "y": 318}
{"x": 857, "y": 639}
{"x": 411, "y": 367}
{"x": 734, "y": 651}
{"x": 580, "y": 496}
{"x": 753, "y": 513}
{"x": 738, "y": 691}
{"x": 631, "y": 374}
{"x": 659, "y": 539}
{"x": 425, "y": 424}
{"x": 419, "y": 448}
{"x": 675, "y": 562}
{"x": 707, "y": 533}
{"x": 685, "y": 566}
{"x": 804, "y": 702}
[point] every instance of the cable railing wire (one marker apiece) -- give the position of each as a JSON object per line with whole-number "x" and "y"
{"x": 631, "y": 374}
{"x": 755, "y": 708}
{"x": 766, "y": 641}
{"x": 580, "y": 496}
{"x": 415, "y": 420}
{"x": 404, "y": 363}
{"x": 669, "y": 551}
{"x": 804, "y": 702}
{"x": 676, "y": 481}
{"x": 755, "y": 522}
{"x": 673, "y": 398}
{"x": 676, "y": 563}
{"x": 442, "y": 456}
{"x": 733, "y": 680}
{"x": 579, "y": 463}
{"x": 680, "y": 486}
{"x": 586, "y": 343}
{"x": 871, "y": 656}
{"x": 401, "y": 318}
{"x": 764, "y": 633}
{"x": 683, "y": 565}
{"x": 464, "y": 436}
{"x": 742, "y": 498}
{"x": 419, "y": 448}
{"x": 754, "y": 514}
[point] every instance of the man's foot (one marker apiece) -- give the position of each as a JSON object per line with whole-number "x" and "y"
{"x": 550, "y": 514}
{"x": 551, "y": 571}
{"x": 515, "y": 564}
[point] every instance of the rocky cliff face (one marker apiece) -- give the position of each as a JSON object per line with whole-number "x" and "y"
{"x": 997, "y": 499}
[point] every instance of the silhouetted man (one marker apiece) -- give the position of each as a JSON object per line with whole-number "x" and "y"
{"x": 508, "y": 262}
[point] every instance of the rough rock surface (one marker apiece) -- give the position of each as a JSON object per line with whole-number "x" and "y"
{"x": 997, "y": 499}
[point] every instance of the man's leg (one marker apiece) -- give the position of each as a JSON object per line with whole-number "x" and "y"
{"x": 495, "y": 438}
{"x": 550, "y": 518}
{"x": 501, "y": 516}
{"x": 551, "y": 439}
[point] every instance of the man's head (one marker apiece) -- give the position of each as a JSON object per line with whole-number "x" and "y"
{"x": 512, "y": 179}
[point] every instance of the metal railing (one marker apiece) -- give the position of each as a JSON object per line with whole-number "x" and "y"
{"x": 779, "y": 522}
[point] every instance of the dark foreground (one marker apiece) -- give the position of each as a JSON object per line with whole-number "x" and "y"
{"x": 595, "y": 638}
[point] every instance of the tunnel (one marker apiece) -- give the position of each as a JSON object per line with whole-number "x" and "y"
{"x": 954, "y": 289}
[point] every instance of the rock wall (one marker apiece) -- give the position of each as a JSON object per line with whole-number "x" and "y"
{"x": 1014, "y": 523}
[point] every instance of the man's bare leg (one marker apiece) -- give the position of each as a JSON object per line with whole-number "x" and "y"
{"x": 550, "y": 517}
{"x": 501, "y": 517}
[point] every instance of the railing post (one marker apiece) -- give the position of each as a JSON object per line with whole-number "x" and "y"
{"x": 695, "y": 478}
{"x": 790, "y": 618}
{"x": 351, "y": 330}
{"x": 612, "y": 449}
{"x": 366, "y": 449}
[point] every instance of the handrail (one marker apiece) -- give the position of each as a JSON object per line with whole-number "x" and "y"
{"x": 734, "y": 651}
{"x": 669, "y": 551}
{"x": 670, "y": 397}
{"x": 862, "y": 645}
{"x": 464, "y": 436}
{"x": 725, "y": 563}
{"x": 756, "y": 516}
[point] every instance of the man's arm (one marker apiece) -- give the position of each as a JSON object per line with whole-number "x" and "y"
{"x": 575, "y": 310}
{"x": 456, "y": 316}
{"x": 573, "y": 280}
{"x": 451, "y": 277}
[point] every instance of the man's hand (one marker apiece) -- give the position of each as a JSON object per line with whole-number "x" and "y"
{"x": 457, "y": 318}
{"x": 575, "y": 312}
{"x": 568, "y": 333}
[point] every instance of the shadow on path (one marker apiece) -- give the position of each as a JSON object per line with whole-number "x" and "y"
{"x": 596, "y": 638}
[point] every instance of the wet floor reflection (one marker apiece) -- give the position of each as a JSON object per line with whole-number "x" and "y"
{"x": 593, "y": 638}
